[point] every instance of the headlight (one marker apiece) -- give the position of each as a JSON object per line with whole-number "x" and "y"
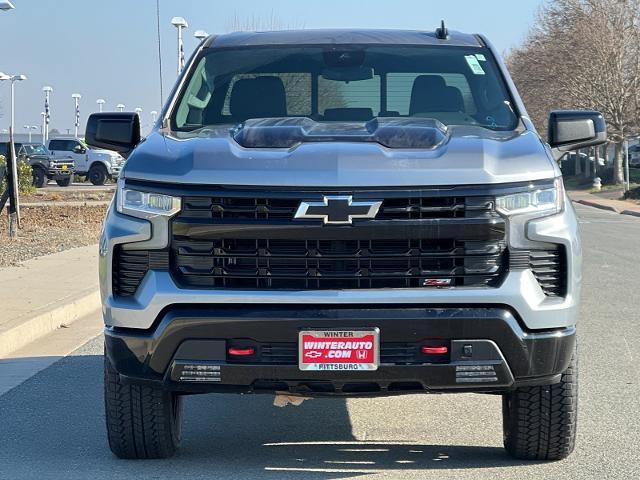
{"x": 52, "y": 164}
{"x": 540, "y": 202}
{"x": 145, "y": 204}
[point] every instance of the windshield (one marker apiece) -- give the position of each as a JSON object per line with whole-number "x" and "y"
{"x": 34, "y": 149}
{"x": 455, "y": 85}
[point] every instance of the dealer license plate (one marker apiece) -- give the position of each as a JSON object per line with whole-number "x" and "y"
{"x": 339, "y": 350}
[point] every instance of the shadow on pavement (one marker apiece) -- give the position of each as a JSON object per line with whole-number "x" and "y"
{"x": 52, "y": 426}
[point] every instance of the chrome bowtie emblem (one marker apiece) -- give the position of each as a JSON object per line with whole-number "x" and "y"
{"x": 338, "y": 209}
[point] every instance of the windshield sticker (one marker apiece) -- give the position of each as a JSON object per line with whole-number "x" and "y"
{"x": 474, "y": 65}
{"x": 481, "y": 57}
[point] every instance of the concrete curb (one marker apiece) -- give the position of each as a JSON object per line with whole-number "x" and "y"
{"x": 45, "y": 322}
{"x": 630, "y": 212}
{"x": 601, "y": 206}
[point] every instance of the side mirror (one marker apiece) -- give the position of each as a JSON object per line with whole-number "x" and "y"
{"x": 117, "y": 131}
{"x": 79, "y": 149}
{"x": 571, "y": 130}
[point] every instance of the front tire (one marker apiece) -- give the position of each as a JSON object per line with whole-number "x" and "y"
{"x": 142, "y": 421}
{"x": 539, "y": 423}
{"x": 65, "y": 182}
{"x": 98, "y": 175}
{"x": 39, "y": 178}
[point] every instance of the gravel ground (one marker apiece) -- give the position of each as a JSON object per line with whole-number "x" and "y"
{"x": 50, "y": 229}
{"x": 68, "y": 194}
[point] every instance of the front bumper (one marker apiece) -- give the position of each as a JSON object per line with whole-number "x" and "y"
{"x": 503, "y": 355}
{"x": 60, "y": 173}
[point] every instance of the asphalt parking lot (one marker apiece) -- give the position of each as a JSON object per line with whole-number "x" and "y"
{"x": 52, "y": 425}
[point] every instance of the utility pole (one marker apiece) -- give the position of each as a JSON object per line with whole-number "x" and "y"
{"x": 48, "y": 90}
{"x": 180, "y": 23}
{"x": 627, "y": 183}
{"x": 77, "y": 97}
{"x": 11, "y": 193}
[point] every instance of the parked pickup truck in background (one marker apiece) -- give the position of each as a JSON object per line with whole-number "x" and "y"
{"x": 45, "y": 167}
{"x": 98, "y": 165}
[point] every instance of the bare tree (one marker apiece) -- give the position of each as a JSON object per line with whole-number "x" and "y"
{"x": 584, "y": 54}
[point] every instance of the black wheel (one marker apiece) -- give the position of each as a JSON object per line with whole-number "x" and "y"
{"x": 39, "y": 178}
{"x": 98, "y": 174}
{"x": 142, "y": 421}
{"x": 65, "y": 182}
{"x": 539, "y": 423}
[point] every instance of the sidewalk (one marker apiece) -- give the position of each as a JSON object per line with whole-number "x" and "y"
{"x": 617, "y": 206}
{"x": 45, "y": 293}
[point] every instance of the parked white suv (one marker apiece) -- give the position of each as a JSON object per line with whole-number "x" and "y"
{"x": 98, "y": 165}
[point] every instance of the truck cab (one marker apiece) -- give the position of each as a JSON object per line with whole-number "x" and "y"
{"x": 99, "y": 165}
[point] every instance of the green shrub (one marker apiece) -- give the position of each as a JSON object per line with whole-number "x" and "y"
{"x": 25, "y": 176}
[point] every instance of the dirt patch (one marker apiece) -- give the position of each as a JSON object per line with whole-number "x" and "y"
{"x": 50, "y": 229}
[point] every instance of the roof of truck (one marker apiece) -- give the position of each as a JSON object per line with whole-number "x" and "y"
{"x": 341, "y": 37}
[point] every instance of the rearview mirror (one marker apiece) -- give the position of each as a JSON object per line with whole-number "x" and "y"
{"x": 117, "y": 131}
{"x": 571, "y": 130}
{"x": 348, "y": 74}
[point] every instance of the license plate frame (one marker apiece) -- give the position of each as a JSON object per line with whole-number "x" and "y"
{"x": 322, "y": 363}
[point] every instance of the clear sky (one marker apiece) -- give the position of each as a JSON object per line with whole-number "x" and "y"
{"x": 108, "y": 48}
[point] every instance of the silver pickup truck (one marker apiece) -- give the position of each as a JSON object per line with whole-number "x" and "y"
{"x": 342, "y": 213}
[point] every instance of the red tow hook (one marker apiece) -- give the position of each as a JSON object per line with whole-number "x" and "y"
{"x": 442, "y": 350}
{"x": 242, "y": 352}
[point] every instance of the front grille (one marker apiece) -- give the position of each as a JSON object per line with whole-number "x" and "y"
{"x": 393, "y": 208}
{"x": 250, "y": 240}
{"x": 330, "y": 264}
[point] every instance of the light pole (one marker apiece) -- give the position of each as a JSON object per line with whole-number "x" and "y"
{"x": 44, "y": 127}
{"x": 100, "y": 103}
{"x": 77, "y": 97}
{"x": 47, "y": 112}
{"x": 13, "y": 79}
{"x": 120, "y": 107}
{"x": 138, "y": 110}
{"x": 30, "y": 128}
{"x": 200, "y": 35}
{"x": 154, "y": 116}
{"x": 180, "y": 23}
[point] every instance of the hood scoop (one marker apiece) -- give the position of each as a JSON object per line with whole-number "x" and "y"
{"x": 422, "y": 133}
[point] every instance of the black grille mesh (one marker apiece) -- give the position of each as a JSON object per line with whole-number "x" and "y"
{"x": 549, "y": 266}
{"x": 130, "y": 267}
{"x": 396, "y": 208}
{"x": 330, "y": 264}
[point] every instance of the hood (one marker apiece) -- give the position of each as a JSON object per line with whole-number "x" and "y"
{"x": 102, "y": 151}
{"x": 464, "y": 156}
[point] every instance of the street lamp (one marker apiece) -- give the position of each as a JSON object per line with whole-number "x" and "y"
{"x": 13, "y": 79}
{"x": 180, "y": 23}
{"x": 154, "y": 115}
{"x": 138, "y": 110}
{"x": 200, "y": 35}
{"x": 100, "y": 103}
{"x": 120, "y": 107}
{"x": 28, "y": 128}
{"x": 47, "y": 112}
{"x": 6, "y": 5}
{"x": 44, "y": 127}
{"x": 77, "y": 97}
